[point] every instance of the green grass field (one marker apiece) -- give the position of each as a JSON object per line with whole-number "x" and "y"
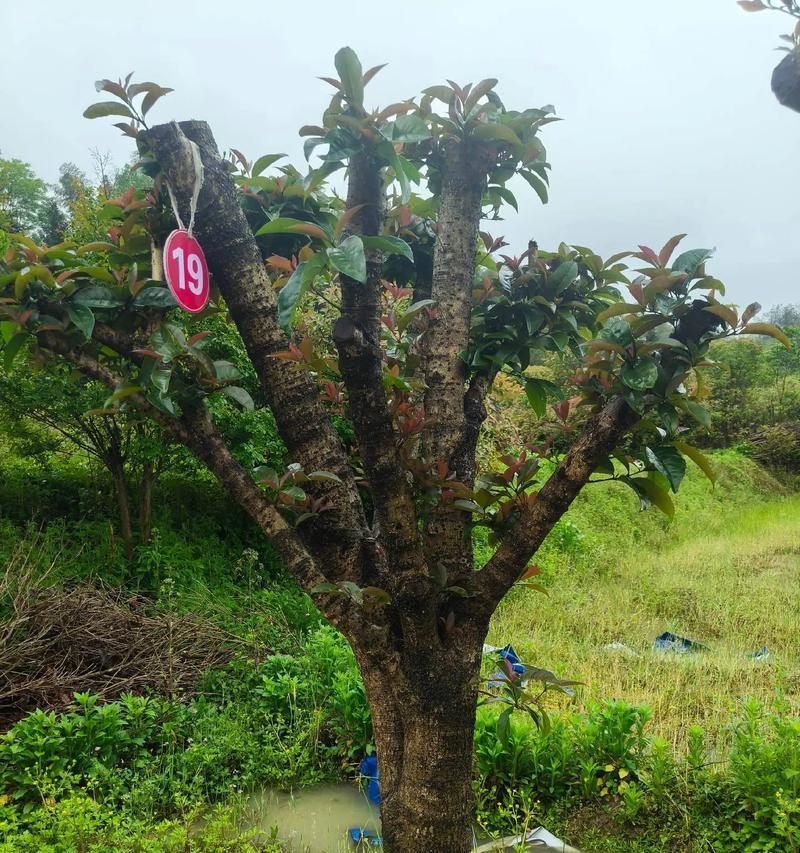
{"x": 725, "y": 572}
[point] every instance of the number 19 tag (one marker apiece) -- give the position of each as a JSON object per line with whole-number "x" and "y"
{"x": 186, "y": 271}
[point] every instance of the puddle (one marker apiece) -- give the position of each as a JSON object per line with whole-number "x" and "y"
{"x": 311, "y": 820}
{"x": 316, "y": 820}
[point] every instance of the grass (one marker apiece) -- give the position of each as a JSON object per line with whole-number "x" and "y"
{"x": 726, "y": 572}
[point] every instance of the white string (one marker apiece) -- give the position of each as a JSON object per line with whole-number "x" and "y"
{"x": 198, "y": 184}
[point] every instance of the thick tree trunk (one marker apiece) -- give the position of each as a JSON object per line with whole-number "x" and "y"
{"x": 431, "y": 806}
{"x": 424, "y": 742}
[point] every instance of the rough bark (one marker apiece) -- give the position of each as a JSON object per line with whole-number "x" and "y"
{"x": 463, "y": 179}
{"x": 195, "y": 429}
{"x": 357, "y": 337}
{"x": 424, "y": 718}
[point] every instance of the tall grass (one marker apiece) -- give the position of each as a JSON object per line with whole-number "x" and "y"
{"x": 726, "y": 572}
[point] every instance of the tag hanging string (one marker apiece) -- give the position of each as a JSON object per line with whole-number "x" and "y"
{"x": 198, "y": 184}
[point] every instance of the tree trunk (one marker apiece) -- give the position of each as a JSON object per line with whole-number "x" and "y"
{"x": 123, "y": 503}
{"x": 424, "y": 744}
{"x": 146, "y": 502}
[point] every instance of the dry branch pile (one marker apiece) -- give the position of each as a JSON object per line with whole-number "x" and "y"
{"x": 56, "y": 641}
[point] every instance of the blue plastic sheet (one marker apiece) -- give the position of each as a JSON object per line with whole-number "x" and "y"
{"x": 369, "y": 770}
{"x": 669, "y": 642}
{"x": 364, "y": 837}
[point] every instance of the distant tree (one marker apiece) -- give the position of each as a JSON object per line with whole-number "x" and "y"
{"x": 22, "y": 195}
{"x": 786, "y": 316}
{"x": 53, "y": 221}
{"x": 381, "y": 418}
{"x": 129, "y": 448}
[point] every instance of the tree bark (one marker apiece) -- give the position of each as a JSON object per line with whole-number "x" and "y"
{"x": 424, "y": 742}
{"x": 120, "y": 482}
{"x": 146, "y": 502}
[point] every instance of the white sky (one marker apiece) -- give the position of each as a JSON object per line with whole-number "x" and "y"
{"x": 670, "y": 124}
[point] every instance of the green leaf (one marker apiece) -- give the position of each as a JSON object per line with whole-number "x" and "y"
{"x": 124, "y": 391}
{"x": 152, "y": 96}
{"x": 264, "y": 163}
{"x": 240, "y": 396}
{"x": 322, "y": 588}
{"x": 154, "y": 297}
{"x": 651, "y": 493}
{"x": 375, "y": 595}
{"x": 505, "y": 194}
{"x": 97, "y": 297}
{"x": 641, "y": 375}
{"x": 690, "y": 261}
{"x": 477, "y": 92}
{"x": 669, "y": 462}
{"x": 563, "y": 276}
{"x": 165, "y": 343}
{"x": 351, "y": 74}
{"x": 225, "y": 371}
{"x": 408, "y": 128}
{"x": 617, "y": 309}
{"x": 494, "y": 132}
{"x": 537, "y": 396}
{"x": 324, "y": 475}
{"x": 699, "y": 413}
{"x": 503, "y": 726}
{"x": 538, "y": 185}
{"x": 617, "y": 331}
{"x": 294, "y": 289}
{"x": 81, "y": 317}
{"x": 699, "y": 459}
{"x": 769, "y": 330}
{"x": 467, "y": 506}
{"x": 388, "y": 245}
{"x": 8, "y": 330}
{"x": 348, "y": 257}
{"x": 107, "y": 108}
{"x": 286, "y": 225}
{"x": 11, "y": 349}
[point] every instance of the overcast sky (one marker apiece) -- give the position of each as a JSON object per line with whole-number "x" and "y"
{"x": 670, "y": 125}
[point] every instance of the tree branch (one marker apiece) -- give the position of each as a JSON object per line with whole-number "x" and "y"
{"x": 357, "y": 337}
{"x": 195, "y": 429}
{"x": 445, "y": 434}
{"x": 463, "y": 180}
{"x": 239, "y": 272}
{"x": 601, "y": 435}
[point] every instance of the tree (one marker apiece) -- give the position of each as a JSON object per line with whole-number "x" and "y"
{"x": 129, "y": 447}
{"x": 786, "y": 76}
{"x": 785, "y": 315}
{"x": 21, "y": 196}
{"x": 381, "y": 418}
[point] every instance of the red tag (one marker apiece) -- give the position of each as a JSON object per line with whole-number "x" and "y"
{"x": 186, "y": 270}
